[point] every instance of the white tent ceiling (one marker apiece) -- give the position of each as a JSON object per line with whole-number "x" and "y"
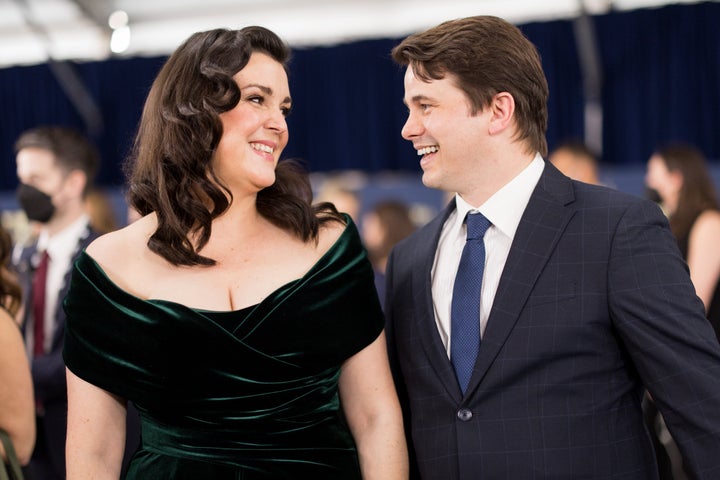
{"x": 34, "y": 31}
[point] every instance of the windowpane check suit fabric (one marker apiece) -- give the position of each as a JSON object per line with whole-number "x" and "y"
{"x": 465, "y": 311}
{"x": 594, "y": 305}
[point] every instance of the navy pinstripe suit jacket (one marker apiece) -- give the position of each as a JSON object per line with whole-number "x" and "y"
{"x": 594, "y": 305}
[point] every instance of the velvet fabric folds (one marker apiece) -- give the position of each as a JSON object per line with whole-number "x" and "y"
{"x": 247, "y": 394}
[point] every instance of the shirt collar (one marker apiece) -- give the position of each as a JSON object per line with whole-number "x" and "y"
{"x": 505, "y": 207}
{"x": 64, "y": 240}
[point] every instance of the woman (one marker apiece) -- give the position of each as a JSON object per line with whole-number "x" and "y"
{"x": 679, "y": 175}
{"x": 17, "y": 408}
{"x": 383, "y": 226}
{"x": 240, "y": 320}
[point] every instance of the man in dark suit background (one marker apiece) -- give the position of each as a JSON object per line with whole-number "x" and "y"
{"x": 585, "y": 300}
{"x": 55, "y": 167}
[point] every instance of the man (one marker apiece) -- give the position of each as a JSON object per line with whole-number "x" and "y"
{"x": 577, "y": 161}
{"x": 584, "y": 298}
{"x": 55, "y": 168}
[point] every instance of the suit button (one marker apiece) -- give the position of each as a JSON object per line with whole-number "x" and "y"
{"x": 464, "y": 414}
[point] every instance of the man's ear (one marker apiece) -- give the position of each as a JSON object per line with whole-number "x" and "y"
{"x": 76, "y": 181}
{"x": 502, "y": 107}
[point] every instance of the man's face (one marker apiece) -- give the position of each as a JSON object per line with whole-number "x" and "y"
{"x": 443, "y": 130}
{"x": 37, "y": 167}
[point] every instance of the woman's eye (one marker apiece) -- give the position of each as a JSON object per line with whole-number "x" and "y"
{"x": 286, "y": 111}
{"x": 256, "y": 99}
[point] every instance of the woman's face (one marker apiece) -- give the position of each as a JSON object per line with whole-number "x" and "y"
{"x": 660, "y": 178}
{"x": 254, "y": 131}
{"x": 372, "y": 231}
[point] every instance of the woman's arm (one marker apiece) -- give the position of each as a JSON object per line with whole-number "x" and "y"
{"x": 704, "y": 255}
{"x": 373, "y": 413}
{"x": 96, "y": 431}
{"x": 17, "y": 402}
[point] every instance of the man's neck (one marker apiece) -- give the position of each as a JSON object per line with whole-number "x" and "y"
{"x": 495, "y": 176}
{"x": 60, "y": 222}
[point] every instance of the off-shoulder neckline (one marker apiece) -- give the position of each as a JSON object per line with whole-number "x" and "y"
{"x": 160, "y": 301}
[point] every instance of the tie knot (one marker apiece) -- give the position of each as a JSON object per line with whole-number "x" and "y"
{"x": 477, "y": 225}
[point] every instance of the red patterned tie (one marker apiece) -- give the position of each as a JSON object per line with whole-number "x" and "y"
{"x": 39, "y": 304}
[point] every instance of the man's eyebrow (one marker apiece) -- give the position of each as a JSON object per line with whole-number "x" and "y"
{"x": 417, "y": 99}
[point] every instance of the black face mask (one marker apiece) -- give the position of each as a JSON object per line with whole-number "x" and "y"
{"x": 37, "y": 205}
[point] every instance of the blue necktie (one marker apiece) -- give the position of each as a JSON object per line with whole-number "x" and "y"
{"x": 465, "y": 310}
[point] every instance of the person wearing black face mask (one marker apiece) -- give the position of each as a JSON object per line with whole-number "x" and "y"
{"x": 55, "y": 167}
{"x": 36, "y": 204}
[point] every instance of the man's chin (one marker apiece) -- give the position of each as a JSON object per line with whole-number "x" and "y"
{"x": 429, "y": 180}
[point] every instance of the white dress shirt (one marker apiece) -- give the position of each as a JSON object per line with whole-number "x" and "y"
{"x": 504, "y": 210}
{"x": 61, "y": 248}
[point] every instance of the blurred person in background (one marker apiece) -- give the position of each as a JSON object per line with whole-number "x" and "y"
{"x": 100, "y": 209}
{"x": 17, "y": 408}
{"x": 677, "y": 176}
{"x": 384, "y": 225}
{"x": 577, "y": 161}
{"x": 682, "y": 181}
{"x": 56, "y": 167}
{"x": 345, "y": 198}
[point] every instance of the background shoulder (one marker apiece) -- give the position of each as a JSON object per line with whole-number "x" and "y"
{"x": 708, "y": 224}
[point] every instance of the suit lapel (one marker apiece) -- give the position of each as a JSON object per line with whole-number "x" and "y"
{"x": 540, "y": 228}
{"x": 85, "y": 239}
{"x": 25, "y": 267}
{"x": 422, "y": 288}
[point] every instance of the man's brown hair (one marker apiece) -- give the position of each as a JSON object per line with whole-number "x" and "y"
{"x": 486, "y": 55}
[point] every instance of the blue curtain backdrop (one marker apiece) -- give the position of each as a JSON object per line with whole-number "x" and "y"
{"x": 661, "y": 83}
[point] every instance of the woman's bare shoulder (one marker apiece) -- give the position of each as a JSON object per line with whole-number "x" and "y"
{"x": 708, "y": 222}
{"x": 329, "y": 233}
{"x": 710, "y": 216}
{"x": 120, "y": 247}
{"x": 10, "y": 336}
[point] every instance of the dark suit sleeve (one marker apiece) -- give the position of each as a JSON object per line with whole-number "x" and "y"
{"x": 395, "y": 365}
{"x": 662, "y": 324}
{"x": 48, "y": 372}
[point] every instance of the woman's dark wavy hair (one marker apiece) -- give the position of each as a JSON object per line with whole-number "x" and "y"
{"x": 170, "y": 168}
{"x": 697, "y": 192}
{"x": 10, "y": 292}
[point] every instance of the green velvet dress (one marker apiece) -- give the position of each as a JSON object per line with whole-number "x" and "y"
{"x": 247, "y": 394}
